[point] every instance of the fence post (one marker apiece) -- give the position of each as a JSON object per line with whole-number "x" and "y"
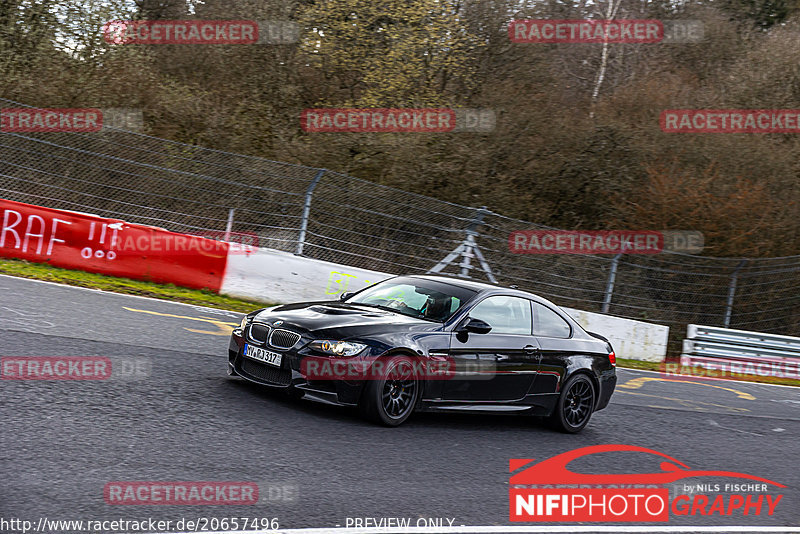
{"x": 229, "y": 226}
{"x": 612, "y": 276}
{"x": 471, "y": 232}
{"x": 301, "y": 239}
{"x": 731, "y": 291}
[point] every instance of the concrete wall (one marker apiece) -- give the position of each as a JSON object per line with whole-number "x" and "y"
{"x": 635, "y": 340}
{"x": 283, "y": 277}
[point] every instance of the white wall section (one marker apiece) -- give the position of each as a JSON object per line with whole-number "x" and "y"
{"x": 277, "y": 276}
{"x": 635, "y": 340}
{"x": 272, "y": 275}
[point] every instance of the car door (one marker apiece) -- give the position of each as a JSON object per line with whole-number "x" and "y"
{"x": 500, "y": 365}
{"x": 553, "y": 334}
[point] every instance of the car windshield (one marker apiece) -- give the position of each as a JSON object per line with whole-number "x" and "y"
{"x": 415, "y": 297}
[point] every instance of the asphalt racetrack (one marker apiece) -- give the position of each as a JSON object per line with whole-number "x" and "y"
{"x": 184, "y": 419}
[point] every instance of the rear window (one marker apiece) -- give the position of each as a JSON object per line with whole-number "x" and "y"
{"x": 548, "y": 323}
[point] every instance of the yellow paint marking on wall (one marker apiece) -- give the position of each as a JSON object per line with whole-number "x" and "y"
{"x": 223, "y": 328}
{"x": 636, "y": 383}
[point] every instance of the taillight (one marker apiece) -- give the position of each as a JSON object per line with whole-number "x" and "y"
{"x": 612, "y": 358}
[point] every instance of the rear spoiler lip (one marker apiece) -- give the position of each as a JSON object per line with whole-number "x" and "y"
{"x": 598, "y": 336}
{"x": 601, "y": 338}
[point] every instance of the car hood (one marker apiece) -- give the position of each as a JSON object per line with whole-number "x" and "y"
{"x": 342, "y": 319}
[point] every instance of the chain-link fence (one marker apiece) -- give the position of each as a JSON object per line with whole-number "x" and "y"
{"x": 331, "y": 216}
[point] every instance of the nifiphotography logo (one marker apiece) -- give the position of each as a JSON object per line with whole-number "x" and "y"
{"x": 549, "y": 491}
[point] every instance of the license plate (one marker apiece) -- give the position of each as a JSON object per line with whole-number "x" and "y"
{"x": 262, "y": 355}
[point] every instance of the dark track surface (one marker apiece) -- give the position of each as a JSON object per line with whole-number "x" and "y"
{"x": 61, "y": 442}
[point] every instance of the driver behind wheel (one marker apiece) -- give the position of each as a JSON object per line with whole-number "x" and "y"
{"x": 436, "y": 309}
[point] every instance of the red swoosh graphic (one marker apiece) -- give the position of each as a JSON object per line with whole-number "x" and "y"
{"x": 554, "y": 470}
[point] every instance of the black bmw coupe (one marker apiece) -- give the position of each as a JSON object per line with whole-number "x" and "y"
{"x": 430, "y": 343}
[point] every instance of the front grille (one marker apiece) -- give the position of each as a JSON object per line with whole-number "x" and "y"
{"x": 267, "y": 373}
{"x": 258, "y": 332}
{"x": 283, "y": 339}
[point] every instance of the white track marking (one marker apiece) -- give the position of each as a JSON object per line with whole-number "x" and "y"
{"x": 714, "y": 423}
{"x": 255, "y": 305}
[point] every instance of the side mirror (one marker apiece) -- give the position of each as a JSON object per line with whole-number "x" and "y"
{"x": 476, "y": 326}
{"x": 345, "y": 296}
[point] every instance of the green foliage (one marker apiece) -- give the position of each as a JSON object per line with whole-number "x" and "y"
{"x": 390, "y": 54}
{"x": 547, "y": 161}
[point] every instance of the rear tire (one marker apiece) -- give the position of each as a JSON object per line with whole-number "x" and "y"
{"x": 575, "y": 405}
{"x": 390, "y": 398}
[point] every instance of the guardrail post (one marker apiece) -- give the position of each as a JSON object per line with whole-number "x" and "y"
{"x": 301, "y": 239}
{"x": 731, "y": 291}
{"x": 612, "y": 277}
{"x": 471, "y": 231}
{"x": 229, "y": 226}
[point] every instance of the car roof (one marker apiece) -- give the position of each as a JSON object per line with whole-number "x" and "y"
{"x": 461, "y": 282}
{"x": 484, "y": 288}
{"x": 481, "y": 287}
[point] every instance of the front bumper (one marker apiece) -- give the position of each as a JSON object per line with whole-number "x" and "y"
{"x": 288, "y": 376}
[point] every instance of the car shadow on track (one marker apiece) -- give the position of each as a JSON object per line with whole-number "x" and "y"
{"x": 350, "y": 415}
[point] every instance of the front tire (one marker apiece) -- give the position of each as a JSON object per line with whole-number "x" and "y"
{"x": 575, "y": 405}
{"x": 390, "y": 398}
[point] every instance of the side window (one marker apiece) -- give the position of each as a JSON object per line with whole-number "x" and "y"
{"x": 548, "y": 323}
{"x": 506, "y": 315}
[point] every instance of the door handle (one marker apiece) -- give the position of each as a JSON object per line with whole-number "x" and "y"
{"x": 530, "y": 349}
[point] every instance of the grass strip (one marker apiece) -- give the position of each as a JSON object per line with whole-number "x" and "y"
{"x": 199, "y": 297}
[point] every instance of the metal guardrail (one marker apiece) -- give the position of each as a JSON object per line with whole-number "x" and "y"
{"x": 717, "y": 334}
{"x": 713, "y": 349}
{"x": 741, "y": 351}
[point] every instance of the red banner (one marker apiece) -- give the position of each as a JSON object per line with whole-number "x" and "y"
{"x": 75, "y": 240}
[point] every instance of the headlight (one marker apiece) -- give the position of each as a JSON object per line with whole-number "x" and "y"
{"x": 243, "y": 323}
{"x": 337, "y": 348}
